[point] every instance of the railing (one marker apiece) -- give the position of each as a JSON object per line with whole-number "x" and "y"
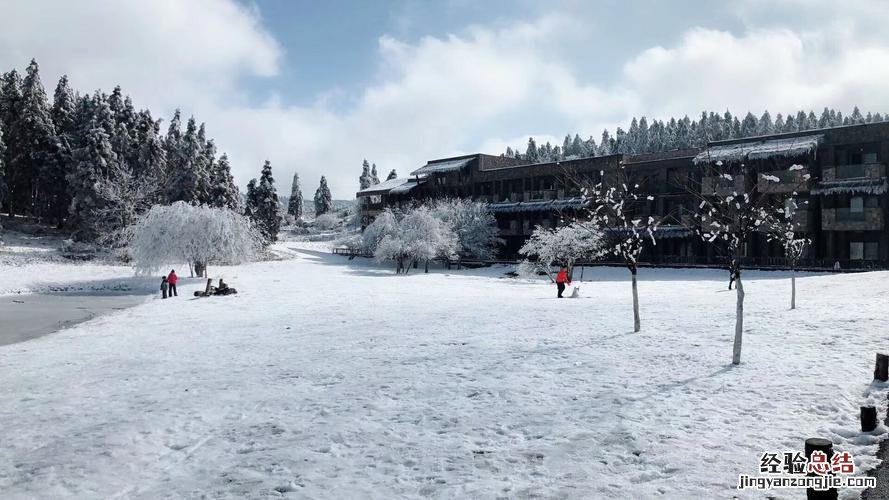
{"x": 848, "y": 215}
{"x": 850, "y": 172}
{"x": 858, "y": 171}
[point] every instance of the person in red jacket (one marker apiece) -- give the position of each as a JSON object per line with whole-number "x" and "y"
{"x": 561, "y": 279}
{"x": 171, "y": 280}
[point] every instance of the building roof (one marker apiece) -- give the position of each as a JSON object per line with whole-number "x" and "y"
{"x": 385, "y": 187}
{"x": 662, "y": 155}
{"x": 759, "y": 149}
{"x": 446, "y": 165}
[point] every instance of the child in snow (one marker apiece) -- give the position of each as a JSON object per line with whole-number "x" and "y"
{"x": 171, "y": 279}
{"x": 561, "y": 279}
{"x": 164, "y": 286}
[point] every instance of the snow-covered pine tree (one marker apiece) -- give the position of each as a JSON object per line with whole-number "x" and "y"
{"x": 323, "y": 199}
{"x": 224, "y": 192}
{"x": 364, "y": 181}
{"x": 10, "y": 100}
{"x": 856, "y": 118}
{"x": 250, "y": 201}
{"x": 2, "y": 169}
{"x": 92, "y": 161}
{"x": 38, "y": 166}
{"x": 392, "y": 175}
{"x": 749, "y": 126}
{"x": 187, "y": 172}
{"x": 374, "y": 178}
{"x": 765, "y": 125}
{"x": 63, "y": 118}
{"x": 295, "y": 206}
{"x": 150, "y": 162}
{"x": 531, "y": 153}
{"x": 207, "y": 165}
{"x": 264, "y": 205}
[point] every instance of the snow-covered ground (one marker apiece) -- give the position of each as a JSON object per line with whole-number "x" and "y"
{"x": 330, "y": 378}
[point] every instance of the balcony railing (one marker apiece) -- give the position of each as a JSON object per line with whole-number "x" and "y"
{"x": 844, "y": 219}
{"x": 862, "y": 171}
{"x": 788, "y": 181}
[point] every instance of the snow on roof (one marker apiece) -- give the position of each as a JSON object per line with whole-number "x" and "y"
{"x": 407, "y": 186}
{"x": 443, "y": 166}
{"x": 755, "y": 150}
{"x": 385, "y": 187}
{"x": 850, "y": 186}
{"x": 537, "y": 206}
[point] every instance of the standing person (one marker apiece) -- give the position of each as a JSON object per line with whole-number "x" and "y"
{"x": 164, "y": 285}
{"x": 561, "y": 279}
{"x": 172, "y": 279}
{"x": 733, "y": 272}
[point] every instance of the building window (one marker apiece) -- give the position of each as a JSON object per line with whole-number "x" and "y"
{"x": 869, "y": 158}
{"x": 871, "y": 250}
{"x": 856, "y": 205}
{"x": 856, "y": 250}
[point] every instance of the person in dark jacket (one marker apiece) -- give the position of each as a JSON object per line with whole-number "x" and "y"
{"x": 172, "y": 279}
{"x": 734, "y": 272}
{"x": 164, "y": 287}
{"x": 561, "y": 279}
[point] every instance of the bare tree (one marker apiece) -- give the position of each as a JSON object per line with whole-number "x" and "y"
{"x": 731, "y": 212}
{"x": 788, "y": 233}
{"x": 625, "y": 217}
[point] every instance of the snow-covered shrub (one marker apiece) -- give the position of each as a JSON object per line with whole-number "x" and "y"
{"x": 183, "y": 233}
{"x": 385, "y": 224}
{"x": 418, "y": 236}
{"x": 327, "y": 222}
{"x": 564, "y": 245}
{"x": 474, "y": 225}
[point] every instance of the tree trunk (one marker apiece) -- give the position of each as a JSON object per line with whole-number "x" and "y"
{"x": 637, "y": 323}
{"x": 581, "y": 273}
{"x": 793, "y": 288}
{"x": 190, "y": 269}
{"x": 739, "y": 321}
{"x": 426, "y": 267}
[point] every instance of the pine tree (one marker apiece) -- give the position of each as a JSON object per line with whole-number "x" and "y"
{"x": 63, "y": 118}
{"x": 392, "y": 175}
{"x": 765, "y": 125}
{"x": 92, "y": 161}
{"x": 10, "y": 100}
{"x": 263, "y": 204}
{"x": 188, "y": 177}
{"x": 150, "y": 162}
{"x": 323, "y": 200}
{"x": 251, "y": 202}
{"x": 295, "y": 206}
{"x": 37, "y": 167}
{"x": 531, "y": 153}
{"x": 568, "y": 146}
{"x": 374, "y": 178}
{"x": 364, "y": 181}
{"x": 2, "y": 169}
{"x": 749, "y": 125}
{"x": 223, "y": 191}
{"x": 855, "y": 118}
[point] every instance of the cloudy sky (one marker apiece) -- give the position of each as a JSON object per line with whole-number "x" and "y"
{"x": 315, "y": 86}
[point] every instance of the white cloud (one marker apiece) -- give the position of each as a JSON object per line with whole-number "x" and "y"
{"x": 479, "y": 88}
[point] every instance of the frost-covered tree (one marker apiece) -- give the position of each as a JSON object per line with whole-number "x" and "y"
{"x": 392, "y": 175}
{"x": 188, "y": 174}
{"x": 420, "y": 236}
{"x": 473, "y": 224}
{"x": 36, "y": 170}
{"x": 295, "y": 206}
{"x": 384, "y": 224}
{"x": 10, "y": 101}
{"x": 183, "y": 233}
{"x": 364, "y": 181}
{"x": 323, "y": 199}
{"x": 531, "y": 153}
{"x": 615, "y": 204}
{"x": 92, "y": 162}
{"x": 374, "y": 178}
{"x": 262, "y": 204}
{"x": 223, "y": 190}
{"x": 563, "y": 246}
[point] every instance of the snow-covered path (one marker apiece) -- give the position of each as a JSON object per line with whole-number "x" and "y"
{"x": 329, "y": 379}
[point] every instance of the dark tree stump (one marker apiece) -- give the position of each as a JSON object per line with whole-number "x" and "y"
{"x": 825, "y": 446}
{"x": 868, "y": 418}
{"x": 881, "y": 370}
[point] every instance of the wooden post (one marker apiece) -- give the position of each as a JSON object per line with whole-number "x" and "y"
{"x": 825, "y": 446}
{"x": 868, "y": 418}
{"x": 881, "y": 370}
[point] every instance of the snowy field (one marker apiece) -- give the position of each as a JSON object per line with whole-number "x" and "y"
{"x": 327, "y": 378}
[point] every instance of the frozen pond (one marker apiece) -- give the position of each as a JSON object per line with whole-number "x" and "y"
{"x": 28, "y": 316}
